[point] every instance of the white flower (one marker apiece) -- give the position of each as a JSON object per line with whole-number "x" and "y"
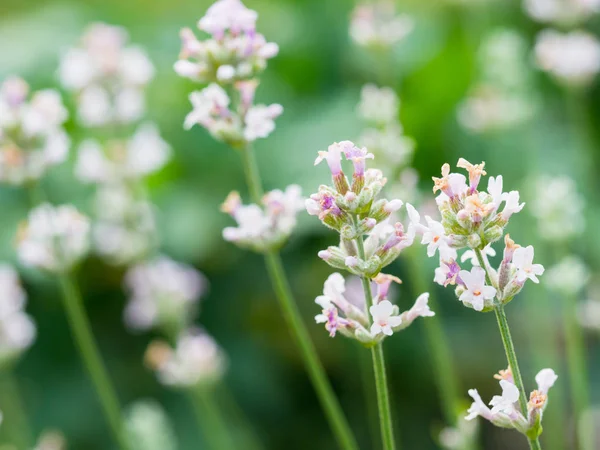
{"x": 148, "y": 427}
{"x": 545, "y": 379}
{"x": 573, "y": 58}
{"x": 478, "y": 407}
{"x": 476, "y": 292}
{"x": 54, "y": 238}
{"x": 523, "y": 261}
{"x": 378, "y": 25}
{"x": 384, "y": 319}
{"x": 565, "y": 12}
{"x": 511, "y": 205}
{"x": 435, "y": 237}
{"x": 378, "y": 105}
{"x": 588, "y": 314}
{"x": 420, "y": 308}
{"x": 505, "y": 403}
{"x": 163, "y": 293}
{"x": 147, "y": 152}
{"x": 568, "y": 276}
{"x": 260, "y": 121}
{"x": 494, "y": 188}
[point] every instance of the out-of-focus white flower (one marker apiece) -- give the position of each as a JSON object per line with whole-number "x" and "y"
{"x": 462, "y": 436}
{"x": 145, "y": 153}
{"x": 389, "y": 145}
{"x": 17, "y": 330}
{"x": 107, "y": 75}
{"x": 51, "y": 440}
{"x": 195, "y": 360}
{"x": 54, "y": 238}
{"x": 163, "y": 294}
{"x": 562, "y": 12}
{"x": 477, "y": 294}
{"x": 558, "y": 207}
{"x": 379, "y": 106}
{"x": 572, "y": 58}
{"x": 588, "y": 314}
{"x": 259, "y": 121}
{"x": 148, "y": 427}
{"x": 234, "y": 51}
{"x": 569, "y": 276}
{"x": 264, "y": 227}
{"x": 378, "y": 24}
{"x": 31, "y": 135}
{"x": 523, "y": 262}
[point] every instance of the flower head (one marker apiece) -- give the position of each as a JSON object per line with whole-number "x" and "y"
{"x": 523, "y": 261}
{"x": 378, "y": 25}
{"x": 477, "y": 294}
{"x": 384, "y": 319}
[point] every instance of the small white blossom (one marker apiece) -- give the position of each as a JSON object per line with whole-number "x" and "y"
{"x": 505, "y": 403}
{"x": 572, "y": 58}
{"x": 523, "y": 261}
{"x": 384, "y": 319}
{"x": 477, "y": 293}
{"x": 375, "y": 25}
{"x": 511, "y": 204}
{"x": 163, "y": 293}
{"x": 435, "y": 237}
{"x": 569, "y": 276}
{"x": 562, "y": 12}
{"x": 260, "y": 121}
{"x": 51, "y": 440}
{"x": 378, "y": 105}
{"x": 54, "y": 238}
{"x": 148, "y": 427}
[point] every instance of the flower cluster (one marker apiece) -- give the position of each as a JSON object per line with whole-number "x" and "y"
{"x": 143, "y": 154}
{"x": 340, "y": 314}
{"x": 31, "y": 134}
{"x": 17, "y": 330}
{"x": 561, "y": 12}
{"x": 195, "y": 360}
{"x": 163, "y": 294}
{"x": 54, "y": 238}
{"x": 504, "y": 411}
{"x": 572, "y": 58}
{"x": 501, "y": 98}
{"x": 558, "y": 208}
{"x": 267, "y": 227}
{"x": 474, "y": 219}
{"x": 124, "y": 230}
{"x": 107, "y": 75}
{"x": 378, "y": 25}
{"x": 234, "y": 51}
{"x": 232, "y": 57}
{"x": 569, "y": 276}
{"x": 353, "y": 210}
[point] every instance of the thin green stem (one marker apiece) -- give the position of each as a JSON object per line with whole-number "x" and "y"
{"x": 15, "y": 425}
{"x": 383, "y": 397}
{"x": 316, "y": 372}
{"x": 251, "y": 440}
{"x": 81, "y": 329}
{"x": 208, "y": 413}
{"x": 509, "y": 349}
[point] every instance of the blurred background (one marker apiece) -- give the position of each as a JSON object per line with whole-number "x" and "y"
{"x": 317, "y": 77}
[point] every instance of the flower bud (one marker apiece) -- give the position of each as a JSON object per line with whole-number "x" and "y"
{"x": 492, "y": 234}
{"x": 334, "y": 257}
{"x": 474, "y": 240}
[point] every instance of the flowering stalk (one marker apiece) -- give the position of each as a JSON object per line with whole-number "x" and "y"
{"x": 383, "y": 400}
{"x": 90, "y": 354}
{"x": 13, "y": 411}
{"x": 215, "y": 429}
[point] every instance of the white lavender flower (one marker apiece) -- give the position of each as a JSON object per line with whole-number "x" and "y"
{"x": 378, "y": 106}
{"x": 505, "y": 414}
{"x": 54, "y": 238}
{"x": 108, "y": 76}
{"x": 163, "y": 294}
{"x": 263, "y": 227}
{"x": 234, "y": 51}
{"x": 561, "y": 12}
{"x": 588, "y": 314}
{"x": 378, "y": 24}
{"x": 572, "y": 58}
{"x": 569, "y": 276}
{"x": 462, "y": 436}
{"x": 195, "y": 360}
{"x": 144, "y": 153}
{"x": 17, "y": 330}
{"x": 148, "y": 427}
{"x": 558, "y": 207}
{"x": 340, "y": 314}
{"x": 32, "y": 138}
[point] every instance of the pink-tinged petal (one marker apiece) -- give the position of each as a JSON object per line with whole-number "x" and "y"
{"x": 489, "y": 292}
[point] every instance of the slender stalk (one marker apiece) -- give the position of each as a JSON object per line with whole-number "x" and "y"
{"x": 251, "y": 440}
{"x": 208, "y": 413}
{"x": 383, "y": 399}
{"x": 16, "y": 427}
{"x": 316, "y": 372}
{"x": 509, "y": 349}
{"x": 81, "y": 329}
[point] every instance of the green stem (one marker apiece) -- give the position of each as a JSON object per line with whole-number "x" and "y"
{"x": 509, "y": 349}
{"x": 575, "y": 359}
{"x": 208, "y": 413}
{"x": 251, "y": 440}
{"x": 15, "y": 425}
{"x": 81, "y": 329}
{"x": 292, "y": 316}
{"x": 441, "y": 355}
{"x": 383, "y": 398}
